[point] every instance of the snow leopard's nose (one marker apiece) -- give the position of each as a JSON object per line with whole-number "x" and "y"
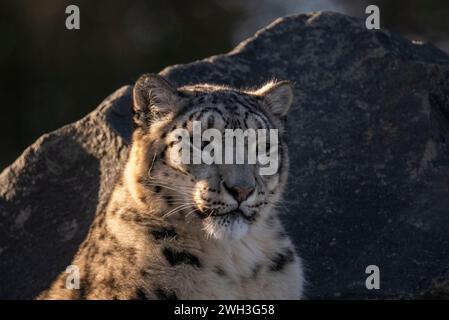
{"x": 240, "y": 193}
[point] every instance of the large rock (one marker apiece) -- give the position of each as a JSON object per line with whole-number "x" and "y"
{"x": 369, "y": 141}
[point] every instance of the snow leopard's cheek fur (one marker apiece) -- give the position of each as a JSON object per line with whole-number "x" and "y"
{"x": 202, "y": 191}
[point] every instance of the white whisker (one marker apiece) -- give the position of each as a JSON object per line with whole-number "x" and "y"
{"x": 177, "y": 209}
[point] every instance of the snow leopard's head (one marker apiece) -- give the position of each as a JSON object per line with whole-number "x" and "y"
{"x": 225, "y": 197}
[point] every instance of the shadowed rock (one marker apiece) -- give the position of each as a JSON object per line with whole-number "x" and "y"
{"x": 369, "y": 148}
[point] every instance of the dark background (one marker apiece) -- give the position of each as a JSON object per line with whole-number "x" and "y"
{"x": 51, "y": 76}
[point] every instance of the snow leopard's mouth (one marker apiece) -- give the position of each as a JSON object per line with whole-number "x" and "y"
{"x": 234, "y": 214}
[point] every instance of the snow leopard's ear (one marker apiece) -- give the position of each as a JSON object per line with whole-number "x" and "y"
{"x": 153, "y": 98}
{"x": 278, "y": 95}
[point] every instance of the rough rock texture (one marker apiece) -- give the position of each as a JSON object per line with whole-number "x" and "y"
{"x": 369, "y": 141}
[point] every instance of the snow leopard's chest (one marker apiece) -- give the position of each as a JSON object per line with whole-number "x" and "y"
{"x": 250, "y": 269}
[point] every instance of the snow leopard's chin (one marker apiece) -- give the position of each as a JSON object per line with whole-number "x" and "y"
{"x": 228, "y": 227}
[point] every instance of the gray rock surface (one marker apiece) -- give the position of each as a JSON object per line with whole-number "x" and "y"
{"x": 369, "y": 144}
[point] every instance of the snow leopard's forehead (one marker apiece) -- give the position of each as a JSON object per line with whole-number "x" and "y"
{"x": 222, "y": 108}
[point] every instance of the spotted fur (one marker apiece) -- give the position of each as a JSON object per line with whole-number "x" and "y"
{"x": 177, "y": 231}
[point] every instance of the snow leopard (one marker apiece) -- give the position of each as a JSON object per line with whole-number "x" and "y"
{"x": 174, "y": 230}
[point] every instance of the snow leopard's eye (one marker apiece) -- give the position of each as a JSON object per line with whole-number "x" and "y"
{"x": 204, "y": 144}
{"x": 267, "y": 147}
